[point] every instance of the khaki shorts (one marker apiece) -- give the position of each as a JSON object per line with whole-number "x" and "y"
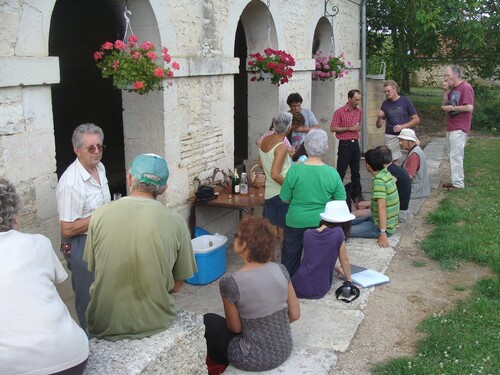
{"x": 392, "y": 142}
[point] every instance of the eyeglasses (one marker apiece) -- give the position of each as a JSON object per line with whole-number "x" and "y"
{"x": 92, "y": 148}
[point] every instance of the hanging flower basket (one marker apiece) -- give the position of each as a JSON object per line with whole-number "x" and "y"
{"x": 329, "y": 67}
{"x": 133, "y": 66}
{"x": 274, "y": 64}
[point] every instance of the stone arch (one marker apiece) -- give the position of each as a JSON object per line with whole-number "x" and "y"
{"x": 323, "y": 92}
{"x": 263, "y": 98}
{"x": 128, "y": 131}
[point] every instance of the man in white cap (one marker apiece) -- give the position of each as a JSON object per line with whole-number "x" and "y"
{"x": 140, "y": 252}
{"x": 415, "y": 164}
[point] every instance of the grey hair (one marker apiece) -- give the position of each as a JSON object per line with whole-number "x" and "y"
{"x": 316, "y": 142}
{"x": 85, "y": 129}
{"x": 282, "y": 122}
{"x": 9, "y": 205}
{"x": 455, "y": 69}
{"x": 138, "y": 185}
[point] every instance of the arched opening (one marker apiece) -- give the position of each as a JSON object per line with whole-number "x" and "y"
{"x": 323, "y": 92}
{"x": 78, "y": 28}
{"x": 240, "y": 98}
{"x": 262, "y": 97}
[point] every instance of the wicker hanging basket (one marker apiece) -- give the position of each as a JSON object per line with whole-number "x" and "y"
{"x": 257, "y": 178}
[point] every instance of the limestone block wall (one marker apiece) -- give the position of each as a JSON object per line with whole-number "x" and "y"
{"x": 192, "y": 122}
{"x": 375, "y": 97}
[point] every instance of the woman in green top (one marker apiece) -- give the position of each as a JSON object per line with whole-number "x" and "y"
{"x": 275, "y": 161}
{"x": 307, "y": 187}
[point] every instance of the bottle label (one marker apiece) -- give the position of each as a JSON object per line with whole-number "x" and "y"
{"x": 237, "y": 189}
{"x": 243, "y": 189}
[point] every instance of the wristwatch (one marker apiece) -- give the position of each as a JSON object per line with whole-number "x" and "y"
{"x": 383, "y": 231}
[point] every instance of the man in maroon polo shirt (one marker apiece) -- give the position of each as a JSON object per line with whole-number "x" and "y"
{"x": 346, "y": 124}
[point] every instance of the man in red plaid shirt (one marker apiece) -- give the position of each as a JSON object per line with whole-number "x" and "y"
{"x": 346, "y": 124}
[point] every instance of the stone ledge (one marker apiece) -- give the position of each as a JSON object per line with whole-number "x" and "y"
{"x": 304, "y": 361}
{"x": 29, "y": 71}
{"x": 181, "y": 349}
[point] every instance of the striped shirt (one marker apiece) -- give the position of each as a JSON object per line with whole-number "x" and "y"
{"x": 345, "y": 117}
{"x": 384, "y": 187}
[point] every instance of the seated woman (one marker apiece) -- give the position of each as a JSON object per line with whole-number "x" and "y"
{"x": 37, "y": 334}
{"x": 308, "y": 187}
{"x": 322, "y": 247}
{"x": 259, "y": 304}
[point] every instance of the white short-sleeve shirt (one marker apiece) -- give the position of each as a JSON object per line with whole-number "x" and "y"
{"x": 79, "y": 194}
{"x": 37, "y": 333}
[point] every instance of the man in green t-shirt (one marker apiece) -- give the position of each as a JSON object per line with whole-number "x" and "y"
{"x": 384, "y": 203}
{"x": 140, "y": 252}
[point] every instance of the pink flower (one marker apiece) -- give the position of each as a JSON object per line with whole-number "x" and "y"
{"x": 253, "y": 79}
{"x": 151, "y": 55}
{"x": 98, "y": 55}
{"x": 116, "y": 65}
{"x": 175, "y": 65}
{"x": 170, "y": 74}
{"x": 135, "y": 54}
{"x": 133, "y": 39}
{"x": 159, "y": 72}
{"x": 271, "y": 65}
{"x": 120, "y": 45}
{"x": 138, "y": 85}
{"x": 107, "y": 46}
{"x": 165, "y": 55}
{"x": 147, "y": 46}
{"x": 251, "y": 63}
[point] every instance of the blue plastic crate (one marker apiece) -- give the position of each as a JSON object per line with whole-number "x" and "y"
{"x": 210, "y": 255}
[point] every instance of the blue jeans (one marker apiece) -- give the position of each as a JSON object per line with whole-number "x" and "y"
{"x": 364, "y": 227}
{"x": 293, "y": 243}
{"x": 81, "y": 277}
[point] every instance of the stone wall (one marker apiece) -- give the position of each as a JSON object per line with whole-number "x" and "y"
{"x": 190, "y": 123}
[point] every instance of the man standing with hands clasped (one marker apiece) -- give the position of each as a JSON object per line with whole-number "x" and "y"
{"x": 458, "y": 104}
{"x": 346, "y": 124}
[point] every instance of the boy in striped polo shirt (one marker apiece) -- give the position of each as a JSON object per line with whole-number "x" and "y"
{"x": 383, "y": 219}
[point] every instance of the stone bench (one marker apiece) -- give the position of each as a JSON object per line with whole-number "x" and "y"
{"x": 181, "y": 349}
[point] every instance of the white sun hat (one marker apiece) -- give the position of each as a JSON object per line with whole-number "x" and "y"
{"x": 408, "y": 134}
{"x": 337, "y": 212}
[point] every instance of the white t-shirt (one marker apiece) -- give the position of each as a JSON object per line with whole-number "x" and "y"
{"x": 37, "y": 333}
{"x": 78, "y": 194}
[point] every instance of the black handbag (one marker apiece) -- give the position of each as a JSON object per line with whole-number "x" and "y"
{"x": 205, "y": 193}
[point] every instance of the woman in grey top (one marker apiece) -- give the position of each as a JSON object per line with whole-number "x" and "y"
{"x": 259, "y": 304}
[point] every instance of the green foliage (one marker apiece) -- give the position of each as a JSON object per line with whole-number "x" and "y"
{"x": 409, "y": 35}
{"x": 464, "y": 341}
{"x": 486, "y": 109}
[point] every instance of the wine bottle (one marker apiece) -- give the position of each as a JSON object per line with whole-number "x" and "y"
{"x": 235, "y": 183}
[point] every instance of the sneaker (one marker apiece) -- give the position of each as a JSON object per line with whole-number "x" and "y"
{"x": 404, "y": 216}
{"x": 448, "y": 185}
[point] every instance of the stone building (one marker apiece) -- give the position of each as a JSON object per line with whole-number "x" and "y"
{"x": 209, "y": 117}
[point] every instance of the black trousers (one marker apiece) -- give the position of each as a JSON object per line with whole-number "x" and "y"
{"x": 349, "y": 155}
{"x": 218, "y": 338}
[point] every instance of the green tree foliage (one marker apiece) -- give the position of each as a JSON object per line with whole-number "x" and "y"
{"x": 414, "y": 34}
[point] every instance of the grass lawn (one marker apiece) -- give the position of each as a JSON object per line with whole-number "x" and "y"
{"x": 467, "y": 228}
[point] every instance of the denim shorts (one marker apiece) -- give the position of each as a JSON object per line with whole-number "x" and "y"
{"x": 275, "y": 211}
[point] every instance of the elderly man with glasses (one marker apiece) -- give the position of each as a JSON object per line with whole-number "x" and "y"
{"x": 82, "y": 188}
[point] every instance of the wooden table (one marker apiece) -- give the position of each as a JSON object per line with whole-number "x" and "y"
{"x": 243, "y": 203}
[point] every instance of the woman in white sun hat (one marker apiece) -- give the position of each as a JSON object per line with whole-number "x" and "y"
{"x": 322, "y": 247}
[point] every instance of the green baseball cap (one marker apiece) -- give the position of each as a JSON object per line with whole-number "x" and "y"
{"x": 150, "y": 169}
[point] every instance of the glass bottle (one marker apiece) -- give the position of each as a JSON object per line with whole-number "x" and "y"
{"x": 235, "y": 183}
{"x": 244, "y": 184}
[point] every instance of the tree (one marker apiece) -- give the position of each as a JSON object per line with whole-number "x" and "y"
{"x": 415, "y": 34}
